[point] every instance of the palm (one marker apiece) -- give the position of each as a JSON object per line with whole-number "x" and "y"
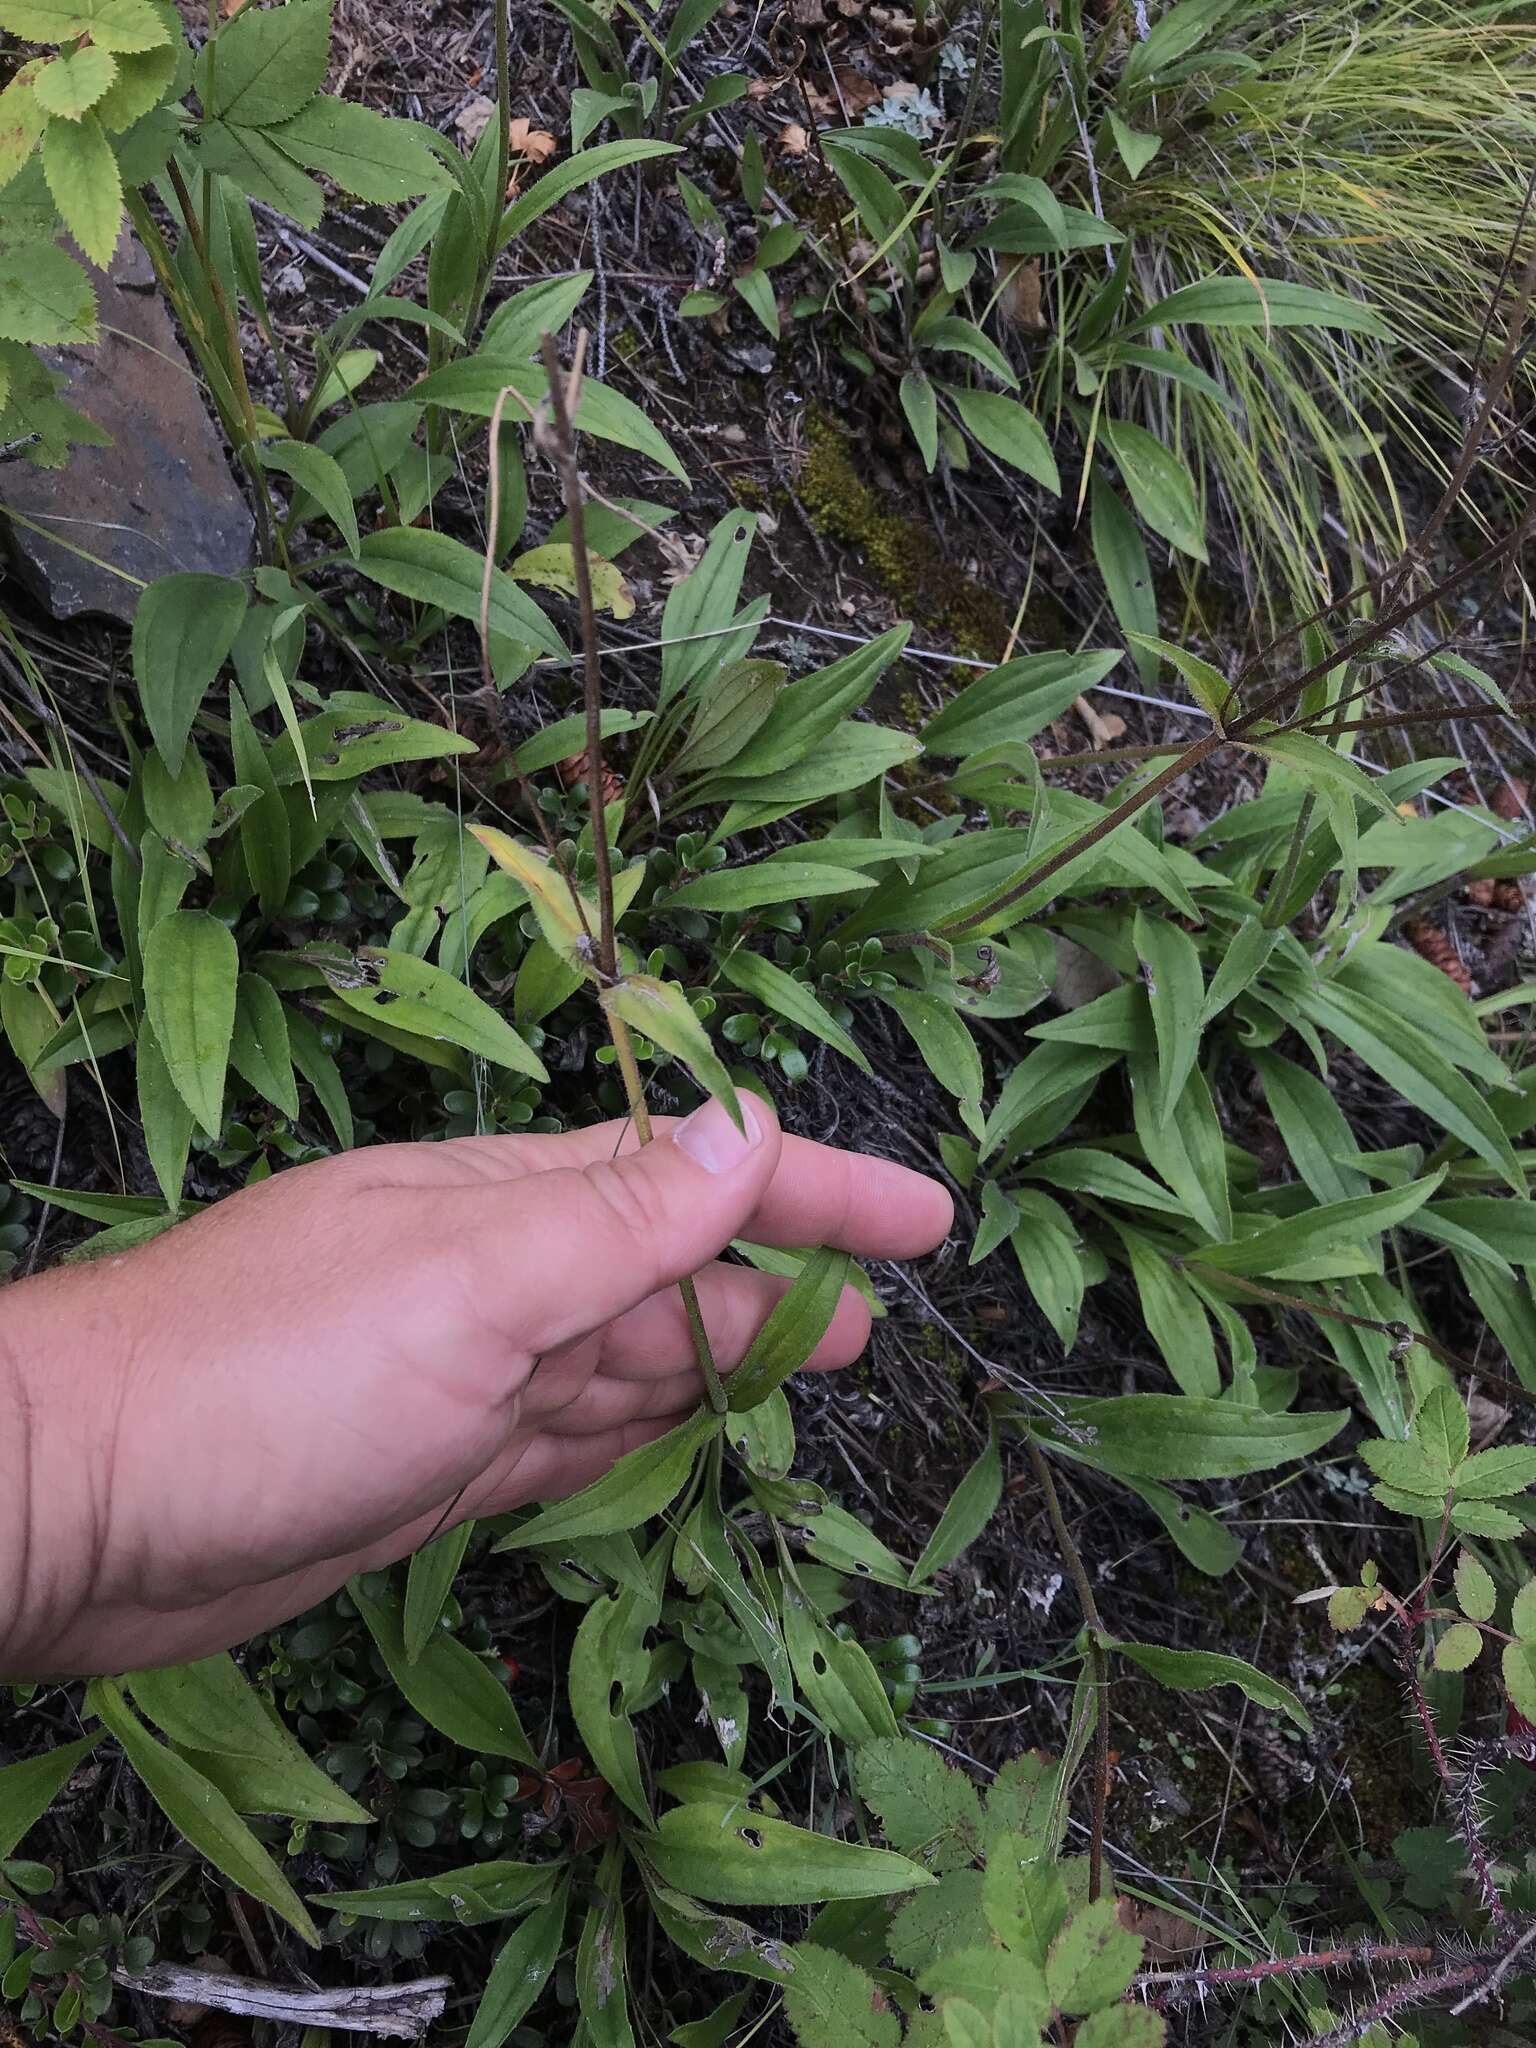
{"x": 348, "y": 1357}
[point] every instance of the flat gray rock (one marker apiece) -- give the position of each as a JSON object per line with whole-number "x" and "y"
{"x": 161, "y": 498}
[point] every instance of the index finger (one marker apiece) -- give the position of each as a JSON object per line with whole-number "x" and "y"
{"x": 819, "y": 1194}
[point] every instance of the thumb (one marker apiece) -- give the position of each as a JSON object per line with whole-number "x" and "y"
{"x": 592, "y": 1241}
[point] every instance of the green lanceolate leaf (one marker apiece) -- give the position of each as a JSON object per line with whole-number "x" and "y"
{"x": 208, "y": 1709}
{"x": 522, "y": 1968}
{"x": 971, "y": 1507}
{"x": 428, "y": 1582}
{"x": 1015, "y": 701}
{"x": 446, "y": 1683}
{"x": 1175, "y": 993}
{"x": 1121, "y": 555}
{"x": 472, "y": 1895}
{"x": 319, "y": 474}
{"x": 259, "y": 1050}
{"x": 29, "y": 1788}
{"x": 797, "y": 1324}
{"x": 1180, "y": 1436}
{"x": 770, "y": 985}
{"x": 640, "y": 1485}
{"x": 766, "y": 881}
{"x": 660, "y": 1011}
{"x": 183, "y": 631}
{"x": 412, "y": 995}
{"x": 1161, "y": 488}
{"x": 1197, "y": 1670}
{"x": 195, "y": 1806}
{"x": 720, "y": 1850}
{"x": 191, "y": 966}
{"x": 165, "y": 1116}
{"x": 435, "y": 569}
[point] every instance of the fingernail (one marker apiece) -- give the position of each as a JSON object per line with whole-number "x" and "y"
{"x": 710, "y": 1137}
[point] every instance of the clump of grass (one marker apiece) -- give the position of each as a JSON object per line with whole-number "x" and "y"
{"x": 1385, "y": 155}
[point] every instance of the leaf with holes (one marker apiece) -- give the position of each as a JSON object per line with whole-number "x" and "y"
{"x": 412, "y": 995}
{"x": 717, "y": 1849}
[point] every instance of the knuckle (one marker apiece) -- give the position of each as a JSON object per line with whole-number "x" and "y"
{"x": 621, "y": 1202}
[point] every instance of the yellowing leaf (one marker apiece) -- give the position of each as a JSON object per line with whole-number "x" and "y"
{"x": 83, "y": 177}
{"x": 22, "y": 120}
{"x": 113, "y": 24}
{"x": 553, "y": 567}
{"x": 660, "y": 1011}
{"x": 549, "y": 893}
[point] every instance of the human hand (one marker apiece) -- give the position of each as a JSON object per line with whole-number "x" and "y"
{"x": 302, "y": 1382}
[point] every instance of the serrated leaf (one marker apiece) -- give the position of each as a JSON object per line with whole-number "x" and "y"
{"x": 197, "y": 1808}
{"x": 720, "y": 1850}
{"x": 660, "y": 1011}
{"x": 73, "y": 81}
{"x": 380, "y": 159}
{"x": 640, "y": 1484}
{"x": 927, "y": 1808}
{"x": 82, "y": 175}
{"x": 45, "y": 297}
{"x": 265, "y": 64}
{"x": 833, "y": 2003}
{"x": 1494, "y": 1475}
{"x": 1458, "y": 1647}
{"x": 1349, "y": 1605}
{"x": 448, "y": 1685}
{"x": 22, "y": 121}
{"x": 1092, "y": 1959}
{"x": 1024, "y": 1895}
{"x": 114, "y": 24}
{"x": 1519, "y": 1668}
{"x": 1522, "y": 1612}
{"x": 1475, "y": 1591}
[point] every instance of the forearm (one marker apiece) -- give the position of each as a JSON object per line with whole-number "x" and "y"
{"x": 63, "y": 1374}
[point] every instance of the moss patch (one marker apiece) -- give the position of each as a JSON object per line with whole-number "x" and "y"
{"x": 902, "y": 553}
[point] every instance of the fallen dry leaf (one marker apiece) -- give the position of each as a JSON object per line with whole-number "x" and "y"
{"x": 1513, "y": 799}
{"x": 473, "y": 118}
{"x": 536, "y": 144}
{"x": 1166, "y": 1933}
{"x": 1103, "y": 726}
{"x": 793, "y": 139}
{"x": 1019, "y": 299}
{"x": 858, "y": 93}
{"x": 230, "y": 8}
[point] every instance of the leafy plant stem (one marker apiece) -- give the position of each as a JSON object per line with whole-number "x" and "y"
{"x": 1400, "y": 1333}
{"x": 1098, "y": 1660}
{"x": 249, "y": 438}
{"x": 561, "y": 392}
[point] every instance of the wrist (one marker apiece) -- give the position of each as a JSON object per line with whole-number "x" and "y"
{"x": 59, "y": 1410}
